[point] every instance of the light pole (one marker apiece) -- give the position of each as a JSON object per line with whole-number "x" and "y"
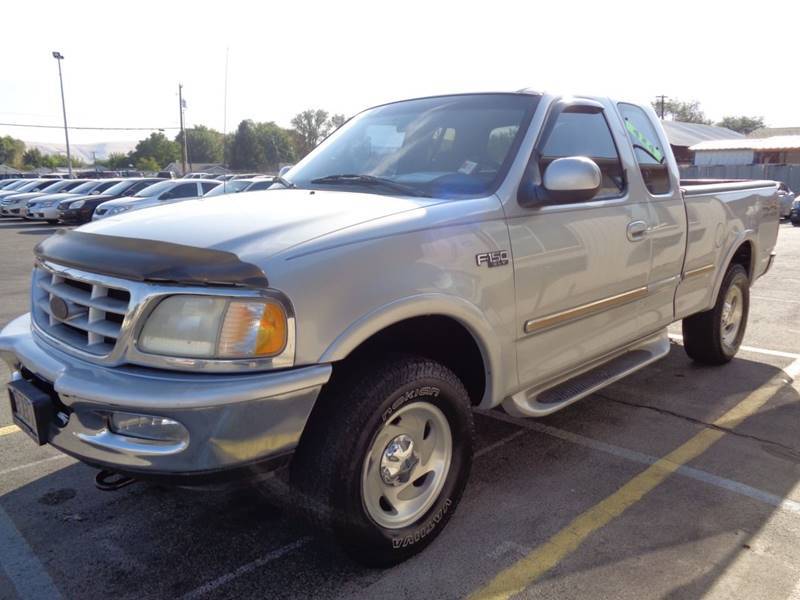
{"x": 59, "y": 57}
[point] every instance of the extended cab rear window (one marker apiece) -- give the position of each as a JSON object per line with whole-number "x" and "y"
{"x": 646, "y": 146}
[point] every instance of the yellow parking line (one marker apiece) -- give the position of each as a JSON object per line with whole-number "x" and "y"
{"x": 541, "y": 559}
{"x": 8, "y": 429}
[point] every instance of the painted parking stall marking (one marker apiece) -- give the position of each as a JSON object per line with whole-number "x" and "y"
{"x": 9, "y": 429}
{"x": 539, "y": 561}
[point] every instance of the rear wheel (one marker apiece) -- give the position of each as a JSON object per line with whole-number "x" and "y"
{"x": 385, "y": 460}
{"x": 713, "y": 337}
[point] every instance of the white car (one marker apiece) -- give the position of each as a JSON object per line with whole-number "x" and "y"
{"x": 164, "y": 192}
{"x": 45, "y": 206}
{"x": 14, "y": 201}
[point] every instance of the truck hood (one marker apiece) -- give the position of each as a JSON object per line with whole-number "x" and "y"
{"x": 253, "y": 225}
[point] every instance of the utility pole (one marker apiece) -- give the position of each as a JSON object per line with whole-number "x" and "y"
{"x": 59, "y": 57}
{"x": 661, "y": 99}
{"x": 184, "y": 149}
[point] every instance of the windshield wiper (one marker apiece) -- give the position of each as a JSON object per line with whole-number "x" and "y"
{"x": 370, "y": 180}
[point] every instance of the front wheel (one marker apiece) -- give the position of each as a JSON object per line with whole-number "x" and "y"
{"x": 713, "y": 337}
{"x": 385, "y": 461}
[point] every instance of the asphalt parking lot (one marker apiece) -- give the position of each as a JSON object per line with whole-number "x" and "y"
{"x": 678, "y": 482}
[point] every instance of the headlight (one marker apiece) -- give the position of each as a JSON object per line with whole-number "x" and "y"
{"x": 215, "y": 328}
{"x": 115, "y": 210}
{"x": 77, "y": 204}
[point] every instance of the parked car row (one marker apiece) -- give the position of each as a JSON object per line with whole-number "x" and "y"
{"x": 76, "y": 201}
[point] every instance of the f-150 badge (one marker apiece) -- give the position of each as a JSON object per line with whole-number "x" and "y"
{"x": 498, "y": 258}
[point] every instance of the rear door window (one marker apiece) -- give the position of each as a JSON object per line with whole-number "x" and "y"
{"x": 647, "y": 147}
{"x": 184, "y": 190}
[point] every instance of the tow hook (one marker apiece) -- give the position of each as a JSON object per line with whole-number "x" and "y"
{"x": 109, "y": 481}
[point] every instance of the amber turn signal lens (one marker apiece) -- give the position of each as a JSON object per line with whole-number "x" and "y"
{"x": 252, "y": 329}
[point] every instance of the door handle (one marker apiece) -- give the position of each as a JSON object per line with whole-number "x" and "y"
{"x": 637, "y": 230}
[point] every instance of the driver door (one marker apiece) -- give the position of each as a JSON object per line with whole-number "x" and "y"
{"x": 581, "y": 267}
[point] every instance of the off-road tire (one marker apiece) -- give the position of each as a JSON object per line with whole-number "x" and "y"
{"x": 702, "y": 333}
{"x": 326, "y": 470}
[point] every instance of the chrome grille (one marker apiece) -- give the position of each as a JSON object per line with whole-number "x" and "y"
{"x": 78, "y": 311}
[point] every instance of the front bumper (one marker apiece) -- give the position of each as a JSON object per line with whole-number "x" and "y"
{"x": 47, "y": 213}
{"x": 75, "y": 215}
{"x": 233, "y": 421}
{"x": 10, "y": 211}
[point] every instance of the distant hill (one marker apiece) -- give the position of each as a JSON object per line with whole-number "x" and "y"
{"x": 84, "y": 151}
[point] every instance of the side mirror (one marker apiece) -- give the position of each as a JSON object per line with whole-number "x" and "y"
{"x": 284, "y": 170}
{"x": 572, "y": 179}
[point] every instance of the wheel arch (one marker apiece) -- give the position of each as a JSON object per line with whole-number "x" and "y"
{"x": 743, "y": 252}
{"x": 430, "y": 315}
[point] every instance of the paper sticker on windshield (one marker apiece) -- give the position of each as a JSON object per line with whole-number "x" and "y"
{"x": 468, "y": 167}
{"x": 640, "y": 138}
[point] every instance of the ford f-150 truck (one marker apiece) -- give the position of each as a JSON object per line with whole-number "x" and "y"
{"x": 515, "y": 250}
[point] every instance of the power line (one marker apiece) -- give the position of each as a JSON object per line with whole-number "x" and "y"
{"x": 88, "y": 128}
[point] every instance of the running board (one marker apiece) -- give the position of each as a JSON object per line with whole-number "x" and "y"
{"x": 545, "y": 399}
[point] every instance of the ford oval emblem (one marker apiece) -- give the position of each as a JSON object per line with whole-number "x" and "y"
{"x": 59, "y": 308}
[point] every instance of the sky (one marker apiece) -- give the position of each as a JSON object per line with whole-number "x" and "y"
{"x": 122, "y": 67}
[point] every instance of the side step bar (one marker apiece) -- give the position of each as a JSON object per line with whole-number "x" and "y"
{"x": 545, "y": 399}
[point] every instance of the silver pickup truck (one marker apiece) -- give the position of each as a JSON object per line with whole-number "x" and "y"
{"x": 515, "y": 250}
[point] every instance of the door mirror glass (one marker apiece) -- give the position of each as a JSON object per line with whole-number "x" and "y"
{"x": 572, "y": 179}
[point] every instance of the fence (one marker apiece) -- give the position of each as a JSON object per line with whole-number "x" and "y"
{"x": 789, "y": 174}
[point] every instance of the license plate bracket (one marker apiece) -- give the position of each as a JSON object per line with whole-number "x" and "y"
{"x": 31, "y": 409}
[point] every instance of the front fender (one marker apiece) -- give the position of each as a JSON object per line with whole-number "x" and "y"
{"x": 421, "y": 305}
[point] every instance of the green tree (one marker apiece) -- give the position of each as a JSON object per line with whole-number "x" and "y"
{"x": 157, "y": 147}
{"x": 32, "y": 158}
{"x": 275, "y": 144}
{"x": 742, "y": 124}
{"x": 205, "y": 145}
{"x": 11, "y": 151}
{"x": 311, "y": 126}
{"x": 148, "y": 163}
{"x": 118, "y": 160}
{"x": 678, "y": 110}
{"x": 245, "y": 149}
{"x": 336, "y": 121}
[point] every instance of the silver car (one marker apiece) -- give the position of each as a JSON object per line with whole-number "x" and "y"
{"x": 164, "y": 192}
{"x": 786, "y": 198}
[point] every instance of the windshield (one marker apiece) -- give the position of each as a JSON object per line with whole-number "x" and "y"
{"x": 84, "y": 188}
{"x": 33, "y": 185}
{"x": 448, "y": 147}
{"x": 64, "y": 184}
{"x": 259, "y": 185}
{"x": 119, "y": 188}
{"x": 154, "y": 190}
{"x": 229, "y": 187}
{"x": 16, "y": 185}
{"x": 104, "y": 185}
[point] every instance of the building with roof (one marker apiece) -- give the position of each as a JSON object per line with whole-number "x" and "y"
{"x": 773, "y": 131}
{"x": 682, "y": 136}
{"x": 775, "y": 150}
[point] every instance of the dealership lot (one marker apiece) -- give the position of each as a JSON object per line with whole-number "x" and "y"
{"x": 680, "y": 482}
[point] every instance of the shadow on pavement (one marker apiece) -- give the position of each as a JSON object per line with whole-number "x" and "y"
{"x": 146, "y": 541}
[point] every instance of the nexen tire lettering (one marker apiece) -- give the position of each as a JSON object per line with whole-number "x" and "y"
{"x": 410, "y": 395}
